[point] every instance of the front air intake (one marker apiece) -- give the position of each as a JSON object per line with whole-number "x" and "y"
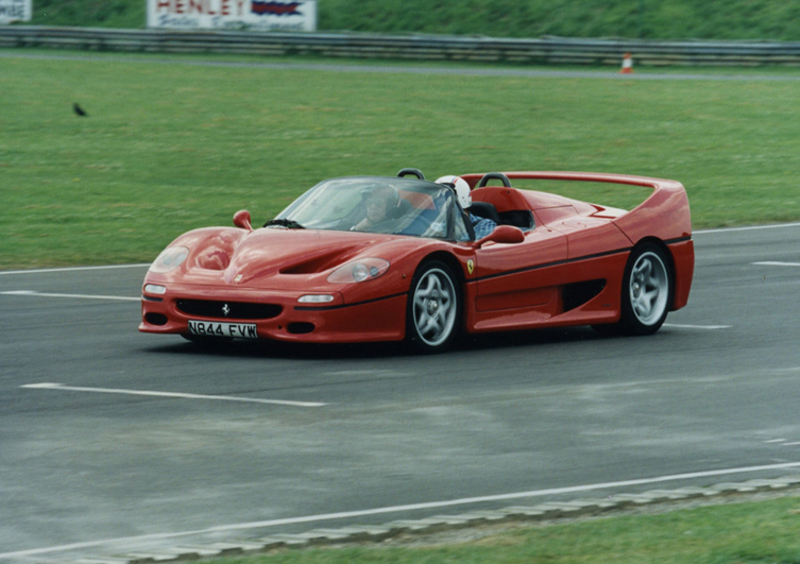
{"x": 157, "y": 319}
{"x": 228, "y": 310}
{"x": 300, "y": 328}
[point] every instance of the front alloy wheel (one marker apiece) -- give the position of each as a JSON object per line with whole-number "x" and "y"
{"x": 434, "y": 308}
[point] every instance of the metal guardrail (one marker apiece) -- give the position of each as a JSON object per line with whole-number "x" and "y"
{"x": 548, "y": 50}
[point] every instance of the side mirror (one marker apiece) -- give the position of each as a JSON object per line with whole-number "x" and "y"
{"x": 242, "y": 219}
{"x": 506, "y": 234}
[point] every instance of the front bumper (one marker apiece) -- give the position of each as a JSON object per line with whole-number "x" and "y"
{"x": 336, "y": 322}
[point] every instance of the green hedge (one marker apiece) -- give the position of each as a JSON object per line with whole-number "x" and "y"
{"x": 650, "y": 19}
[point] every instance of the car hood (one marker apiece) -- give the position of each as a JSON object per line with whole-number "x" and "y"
{"x": 279, "y": 257}
{"x": 271, "y": 251}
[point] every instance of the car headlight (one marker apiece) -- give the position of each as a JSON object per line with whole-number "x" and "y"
{"x": 316, "y": 299}
{"x": 170, "y": 258}
{"x": 155, "y": 289}
{"x": 360, "y": 270}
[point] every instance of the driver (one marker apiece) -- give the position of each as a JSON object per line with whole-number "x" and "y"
{"x": 381, "y": 203}
{"x": 481, "y": 225}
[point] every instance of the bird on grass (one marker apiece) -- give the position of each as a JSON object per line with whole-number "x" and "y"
{"x": 78, "y": 110}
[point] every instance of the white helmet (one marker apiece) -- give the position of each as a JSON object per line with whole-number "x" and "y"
{"x": 462, "y": 189}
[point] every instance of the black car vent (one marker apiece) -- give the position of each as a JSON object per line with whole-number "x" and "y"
{"x": 228, "y": 310}
{"x": 577, "y": 294}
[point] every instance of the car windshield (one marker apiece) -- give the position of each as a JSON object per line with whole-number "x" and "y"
{"x": 400, "y": 206}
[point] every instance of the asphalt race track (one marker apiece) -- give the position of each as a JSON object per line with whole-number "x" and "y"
{"x": 112, "y": 440}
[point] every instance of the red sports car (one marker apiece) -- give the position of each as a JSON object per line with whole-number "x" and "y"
{"x": 369, "y": 258}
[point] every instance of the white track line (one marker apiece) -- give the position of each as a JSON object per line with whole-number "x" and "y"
{"x": 747, "y": 228}
{"x": 53, "y": 386}
{"x": 775, "y": 263}
{"x": 703, "y": 327}
{"x": 122, "y": 298}
{"x": 74, "y": 269}
{"x": 78, "y": 296}
{"x": 144, "y": 265}
{"x": 405, "y": 508}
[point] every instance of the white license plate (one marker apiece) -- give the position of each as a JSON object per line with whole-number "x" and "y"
{"x": 229, "y": 330}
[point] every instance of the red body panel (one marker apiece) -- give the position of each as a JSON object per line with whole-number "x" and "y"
{"x": 274, "y": 266}
{"x": 567, "y": 271}
{"x": 664, "y": 216}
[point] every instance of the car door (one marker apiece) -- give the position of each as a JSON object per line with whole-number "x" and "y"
{"x": 517, "y": 284}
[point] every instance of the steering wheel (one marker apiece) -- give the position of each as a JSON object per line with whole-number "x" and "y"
{"x": 494, "y": 176}
{"x": 414, "y": 171}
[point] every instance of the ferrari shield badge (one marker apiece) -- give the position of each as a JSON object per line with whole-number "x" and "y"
{"x": 470, "y": 266}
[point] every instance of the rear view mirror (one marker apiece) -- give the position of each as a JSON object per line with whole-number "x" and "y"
{"x": 506, "y": 234}
{"x": 242, "y": 219}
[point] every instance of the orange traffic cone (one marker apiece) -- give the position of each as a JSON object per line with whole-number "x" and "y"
{"x": 627, "y": 64}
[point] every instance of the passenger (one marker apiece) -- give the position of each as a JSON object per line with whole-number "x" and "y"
{"x": 481, "y": 225}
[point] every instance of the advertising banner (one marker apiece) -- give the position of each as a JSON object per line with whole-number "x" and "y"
{"x": 15, "y": 11}
{"x": 246, "y": 15}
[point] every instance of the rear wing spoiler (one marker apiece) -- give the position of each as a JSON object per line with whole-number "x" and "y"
{"x": 666, "y": 211}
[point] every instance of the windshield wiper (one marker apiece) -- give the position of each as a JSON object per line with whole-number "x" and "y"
{"x": 288, "y": 223}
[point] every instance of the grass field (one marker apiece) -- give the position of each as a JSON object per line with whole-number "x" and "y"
{"x": 172, "y": 146}
{"x": 169, "y": 146}
{"x": 742, "y": 533}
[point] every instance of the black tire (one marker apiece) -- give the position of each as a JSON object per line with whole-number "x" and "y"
{"x": 646, "y": 290}
{"x": 434, "y": 310}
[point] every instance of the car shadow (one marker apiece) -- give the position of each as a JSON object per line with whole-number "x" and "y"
{"x": 531, "y": 337}
{"x": 276, "y": 349}
{"x": 305, "y": 351}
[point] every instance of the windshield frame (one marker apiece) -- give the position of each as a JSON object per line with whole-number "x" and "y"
{"x": 415, "y": 208}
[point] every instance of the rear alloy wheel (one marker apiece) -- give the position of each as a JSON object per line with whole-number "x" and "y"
{"x": 646, "y": 290}
{"x": 434, "y": 308}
